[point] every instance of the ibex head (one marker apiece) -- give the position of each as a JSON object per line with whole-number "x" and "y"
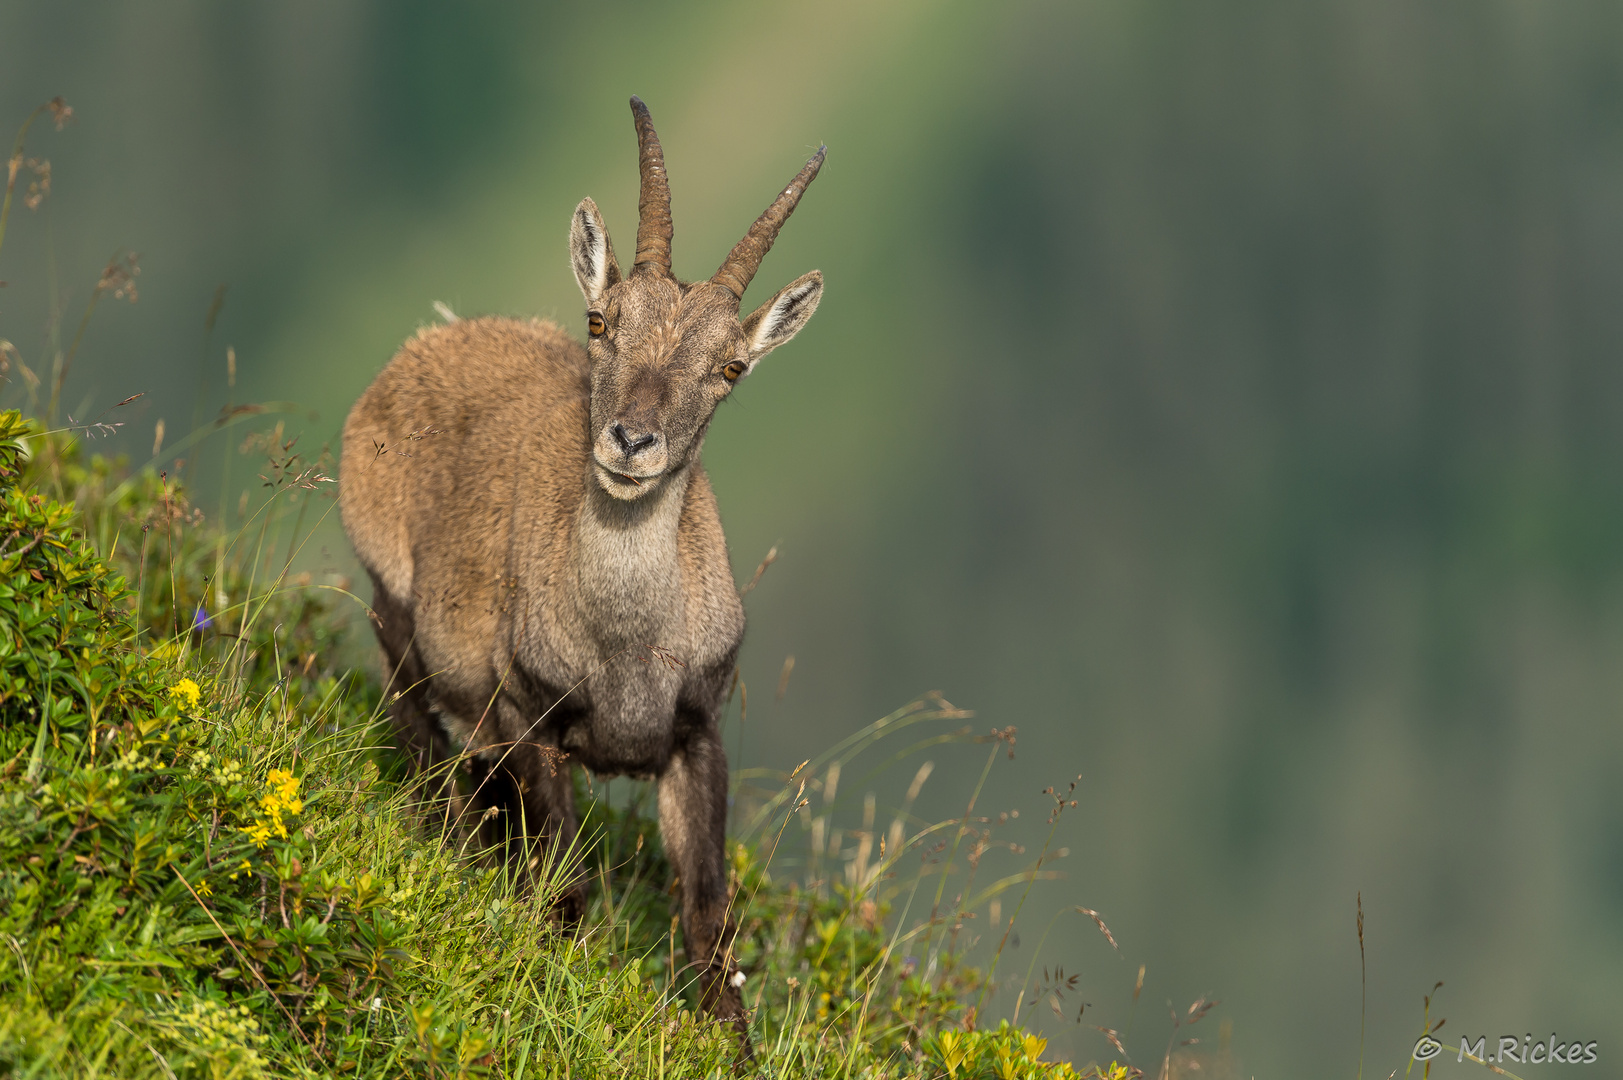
{"x": 665, "y": 352}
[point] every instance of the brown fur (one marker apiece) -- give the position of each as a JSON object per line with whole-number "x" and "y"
{"x": 550, "y": 575}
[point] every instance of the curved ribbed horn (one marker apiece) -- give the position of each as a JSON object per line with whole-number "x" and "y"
{"x": 654, "y": 202}
{"x": 740, "y": 267}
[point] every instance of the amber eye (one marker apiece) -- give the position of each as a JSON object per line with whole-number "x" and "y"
{"x": 594, "y": 324}
{"x": 733, "y": 370}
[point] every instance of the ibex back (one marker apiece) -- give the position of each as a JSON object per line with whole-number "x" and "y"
{"x": 550, "y": 578}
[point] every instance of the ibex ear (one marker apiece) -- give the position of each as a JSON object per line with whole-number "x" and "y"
{"x": 591, "y": 253}
{"x": 781, "y": 317}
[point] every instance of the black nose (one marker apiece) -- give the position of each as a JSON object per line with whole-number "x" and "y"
{"x": 631, "y": 442}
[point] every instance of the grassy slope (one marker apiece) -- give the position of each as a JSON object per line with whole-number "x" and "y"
{"x": 208, "y": 865}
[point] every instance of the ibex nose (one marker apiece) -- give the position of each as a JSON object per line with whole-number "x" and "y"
{"x": 631, "y": 442}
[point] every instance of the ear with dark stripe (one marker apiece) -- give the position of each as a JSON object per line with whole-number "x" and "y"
{"x": 591, "y": 253}
{"x": 781, "y": 317}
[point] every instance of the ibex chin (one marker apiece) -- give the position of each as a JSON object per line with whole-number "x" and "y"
{"x": 550, "y": 579}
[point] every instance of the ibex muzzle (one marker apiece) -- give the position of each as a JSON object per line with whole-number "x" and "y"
{"x": 550, "y": 578}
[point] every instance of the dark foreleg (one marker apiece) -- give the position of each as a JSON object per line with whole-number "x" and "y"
{"x": 530, "y": 782}
{"x": 693, "y": 826}
{"x": 418, "y": 732}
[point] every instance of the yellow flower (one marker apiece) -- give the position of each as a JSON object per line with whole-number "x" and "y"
{"x": 281, "y": 794}
{"x": 203, "y": 888}
{"x": 283, "y": 783}
{"x": 186, "y": 693}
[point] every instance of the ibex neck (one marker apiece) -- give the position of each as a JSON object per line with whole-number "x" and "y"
{"x": 627, "y": 566}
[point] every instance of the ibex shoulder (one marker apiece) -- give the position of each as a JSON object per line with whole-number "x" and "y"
{"x": 437, "y": 435}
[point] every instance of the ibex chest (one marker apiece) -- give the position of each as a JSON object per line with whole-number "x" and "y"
{"x": 637, "y": 643}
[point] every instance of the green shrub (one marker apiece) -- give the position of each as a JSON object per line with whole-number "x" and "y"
{"x": 229, "y": 591}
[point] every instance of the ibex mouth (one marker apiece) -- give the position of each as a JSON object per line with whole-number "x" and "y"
{"x": 623, "y": 485}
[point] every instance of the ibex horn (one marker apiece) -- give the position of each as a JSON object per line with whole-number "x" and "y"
{"x": 654, "y": 202}
{"x": 740, "y": 267}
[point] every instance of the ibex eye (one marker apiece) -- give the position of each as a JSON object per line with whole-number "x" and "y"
{"x": 594, "y": 324}
{"x": 733, "y": 370}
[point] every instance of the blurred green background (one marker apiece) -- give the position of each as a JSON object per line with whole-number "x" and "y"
{"x": 1226, "y": 395}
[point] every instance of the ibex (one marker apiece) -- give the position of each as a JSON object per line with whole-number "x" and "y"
{"x": 550, "y": 579}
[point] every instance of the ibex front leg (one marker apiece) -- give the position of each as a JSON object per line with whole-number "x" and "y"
{"x": 417, "y": 730}
{"x": 532, "y": 782}
{"x": 693, "y": 826}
